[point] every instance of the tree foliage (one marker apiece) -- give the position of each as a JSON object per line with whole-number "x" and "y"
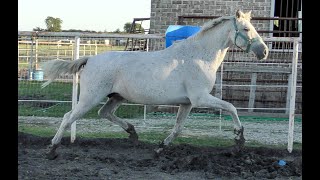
{"x": 117, "y": 31}
{"x": 38, "y": 29}
{"x": 53, "y": 24}
{"x": 138, "y": 28}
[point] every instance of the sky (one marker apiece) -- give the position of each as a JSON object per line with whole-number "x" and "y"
{"x": 95, "y": 15}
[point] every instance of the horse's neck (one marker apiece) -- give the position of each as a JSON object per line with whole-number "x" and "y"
{"x": 212, "y": 45}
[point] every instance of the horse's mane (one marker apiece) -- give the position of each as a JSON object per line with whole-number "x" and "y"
{"x": 210, "y": 24}
{"x": 213, "y": 23}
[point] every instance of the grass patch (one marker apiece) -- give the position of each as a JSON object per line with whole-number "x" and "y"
{"x": 59, "y": 91}
{"x": 31, "y": 90}
{"x": 59, "y": 109}
{"x": 39, "y": 131}
{"x": 153, "y": 138}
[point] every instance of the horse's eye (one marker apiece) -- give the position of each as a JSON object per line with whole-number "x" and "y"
{"x": 246, "y": 29}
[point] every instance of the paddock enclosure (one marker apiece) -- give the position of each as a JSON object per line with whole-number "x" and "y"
{"x": 267, "y": 94}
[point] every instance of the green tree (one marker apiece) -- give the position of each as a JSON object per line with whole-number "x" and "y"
{"x": 38, "y": 29}
{"x": 117, "y": 31}
{"x": 127, "y": 27}
{"x": 138, "y": 28}
{"x": 53, "y": 24}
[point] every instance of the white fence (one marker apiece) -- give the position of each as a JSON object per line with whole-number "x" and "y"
{"x": 254, "y": 87}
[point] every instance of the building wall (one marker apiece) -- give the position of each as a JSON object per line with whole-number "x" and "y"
{"x": 166, "y": 12}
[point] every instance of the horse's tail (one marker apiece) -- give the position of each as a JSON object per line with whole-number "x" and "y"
{"x": 52, "y": 69}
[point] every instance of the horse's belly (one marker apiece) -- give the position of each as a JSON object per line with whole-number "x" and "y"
{"x": 157, "y": 100}
{"x": 154, "y": 93}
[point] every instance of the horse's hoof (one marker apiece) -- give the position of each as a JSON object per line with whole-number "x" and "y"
{"x": 52, "y": 152}
{"x": 239, "y": 139}
{"x": 51, "y": 155}
{"x": 158, "y": 151}
{"x": 134, "y": 138}
{"x": 238, "y": 132}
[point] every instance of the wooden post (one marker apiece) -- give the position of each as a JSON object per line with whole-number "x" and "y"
{"x": 75, "y": 87}
{"x": 253, "y": 88}
{"x": 293, "y": 94}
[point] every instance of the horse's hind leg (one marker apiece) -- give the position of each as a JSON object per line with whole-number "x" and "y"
{"x": 182, "y": 114}
{"x": 107, "y": 111}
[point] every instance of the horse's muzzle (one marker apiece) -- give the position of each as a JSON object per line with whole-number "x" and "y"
{"x": 261, "y": 51}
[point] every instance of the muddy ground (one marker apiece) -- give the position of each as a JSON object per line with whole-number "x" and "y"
{"x": 93, "y": 158}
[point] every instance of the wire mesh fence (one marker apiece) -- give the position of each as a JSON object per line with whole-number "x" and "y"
{"x": 55, "y": 100}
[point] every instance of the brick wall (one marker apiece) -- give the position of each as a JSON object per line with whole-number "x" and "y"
{"x": 166, "y": 12}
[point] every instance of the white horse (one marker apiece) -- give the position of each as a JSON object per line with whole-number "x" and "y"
{"x": 183, "y": 74}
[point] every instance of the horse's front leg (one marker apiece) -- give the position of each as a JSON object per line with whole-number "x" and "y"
{"x": 207, "y": 100}
{"x": 182, "y": 114}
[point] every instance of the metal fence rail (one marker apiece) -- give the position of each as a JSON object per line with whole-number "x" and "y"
{"x": 240, "y": 72}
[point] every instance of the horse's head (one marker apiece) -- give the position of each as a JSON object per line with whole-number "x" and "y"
{"x": 246, "y": 37}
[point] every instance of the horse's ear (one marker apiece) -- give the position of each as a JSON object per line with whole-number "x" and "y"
{"x": 249, "y": 14}
{"x": 239, "y": 14}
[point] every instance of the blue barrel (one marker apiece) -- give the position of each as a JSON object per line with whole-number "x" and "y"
{"x": 38, "y": 75}
{"x": 178, "y": 32}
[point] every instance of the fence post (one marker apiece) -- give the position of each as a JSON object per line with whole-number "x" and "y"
{"x": 252, "y": 95}
{"x": 75, "y": 87}
{"x": 30, "y": 70}
{"x": 144, "y": 112}
{"x": 36, "y": 52}
{"x": 218, "y": 93}
{"x": 289, "y": 89}
{"x": 58, "y": 49}
{"x": 293, "y": 93}
{"x": 96, "y": 47}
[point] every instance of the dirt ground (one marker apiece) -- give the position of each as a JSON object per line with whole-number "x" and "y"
{"x": 91, "y": 158}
